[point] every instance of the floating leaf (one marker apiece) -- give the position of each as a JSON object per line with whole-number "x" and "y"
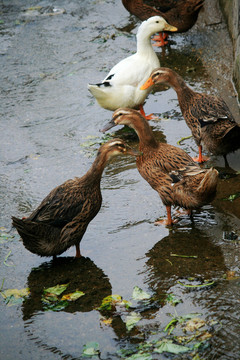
{"x": 132, "y": 319}
{"x": 139, "y": 294}
{"x": 106, "y": 321}
{"x": 169, "y": 346}
{"x": 125, "y": 303}
{"x": 73, "y": 296}
{"x": 91, "y": 348}
{"x": 109, "y": 302}
{"x": 233, "y": 197}
{"x": 180, "y": 319}
{"x": 194, "y": 324}
{"x": 56, "y": 290}
{"x": 14, "y": 296}
{"x": 231, "y": 275}
{"x": 173, "y": 300}
{"x": 140, "y": 356}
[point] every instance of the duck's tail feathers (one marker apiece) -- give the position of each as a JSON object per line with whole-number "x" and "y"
{"x": 37, "y": 237}
{"x": 208, "y": 184}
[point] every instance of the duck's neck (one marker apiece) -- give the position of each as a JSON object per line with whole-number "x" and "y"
{"x": 94, "y": 174}
{"x": 144, "y": 45}
{"x": 145, "y": 134}
{"x": 184, "y": 93}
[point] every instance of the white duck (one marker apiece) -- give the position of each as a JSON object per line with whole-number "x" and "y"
{"x": 121, "y": 87}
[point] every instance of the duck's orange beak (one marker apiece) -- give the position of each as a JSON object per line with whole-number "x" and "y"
{"x": 169, "y": 27}
{"x": 147, "y": 84}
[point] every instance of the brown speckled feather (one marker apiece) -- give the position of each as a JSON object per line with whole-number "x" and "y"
{"x": 182, "y": 13}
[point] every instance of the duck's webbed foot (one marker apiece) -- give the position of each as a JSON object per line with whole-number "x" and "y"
{"x": 169, "y": 221}
{"x": 201, "y": 158}
{"x": 147, "y": 117}
{"x": 160, "y": 39}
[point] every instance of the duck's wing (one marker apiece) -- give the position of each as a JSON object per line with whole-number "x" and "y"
{"x": 132, "y": 71}
{"x": 189, "y": 170}
{"x": 60, "y": 206}
{"x": 170, "y": 158}
{"x": 210, "y": 109}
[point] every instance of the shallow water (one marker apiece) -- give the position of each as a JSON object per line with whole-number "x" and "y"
{"x": 50, "y": 132}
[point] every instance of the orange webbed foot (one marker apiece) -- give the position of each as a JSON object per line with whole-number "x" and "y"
{"x": 147, "y": 117}
{"x": 169, "y": 221}
{"x": 160, "y": 39}
{"x": 166, "y": 222}
{"x": 200, "y": 159}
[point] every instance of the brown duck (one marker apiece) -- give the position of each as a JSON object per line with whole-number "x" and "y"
{"x": 62, "y": 218}
{"x": 207, "y": 116}
{"x": 168, "y": 169}
{"x": 180, "y": 13}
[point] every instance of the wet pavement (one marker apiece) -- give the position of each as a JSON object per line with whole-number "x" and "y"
{"x": 50, "y": 132}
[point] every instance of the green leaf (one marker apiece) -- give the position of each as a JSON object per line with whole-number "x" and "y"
{"x": 56, "y": 290}
{"x": 73, "y": 296}
{"x": 132, "y": 319}
{"x": 139, "y": 294}
{"x": 173, "y": 300}
{"x": 140, "y": 356}
{"x": 233, "y": 196}
{"x": 91, "y": 348}
{"x": 109, "y": 302}
{"x": 169, "y": 346}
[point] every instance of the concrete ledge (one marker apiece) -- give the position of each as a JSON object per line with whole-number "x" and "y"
{"x": 231, "y": 12}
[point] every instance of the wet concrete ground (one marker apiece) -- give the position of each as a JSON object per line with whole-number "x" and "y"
{"x": 50, "y": 132}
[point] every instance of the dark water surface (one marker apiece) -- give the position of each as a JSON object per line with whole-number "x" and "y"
{"x": 49, "y": 133}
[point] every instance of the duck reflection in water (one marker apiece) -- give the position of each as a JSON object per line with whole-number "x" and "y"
{"x": 80, "y": 274}
{"x": 182, "y": 255}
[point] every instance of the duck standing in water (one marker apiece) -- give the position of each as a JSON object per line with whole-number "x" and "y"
{"x": 181, "y": 13}
{"x": 121, "y": 87}
{"x": 62, "y": 218}
{"x": 207, "y": 116}
{"x": 168, "y": 169}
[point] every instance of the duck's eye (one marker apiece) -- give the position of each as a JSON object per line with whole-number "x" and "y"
{"x": 157, "y": 21}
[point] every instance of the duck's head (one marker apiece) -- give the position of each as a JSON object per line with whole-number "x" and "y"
{"x": 160, "y": 75}
{"x": 155, "y": 24}
{"x": 116, "y": 147}
{"x": 125, "y": 116}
